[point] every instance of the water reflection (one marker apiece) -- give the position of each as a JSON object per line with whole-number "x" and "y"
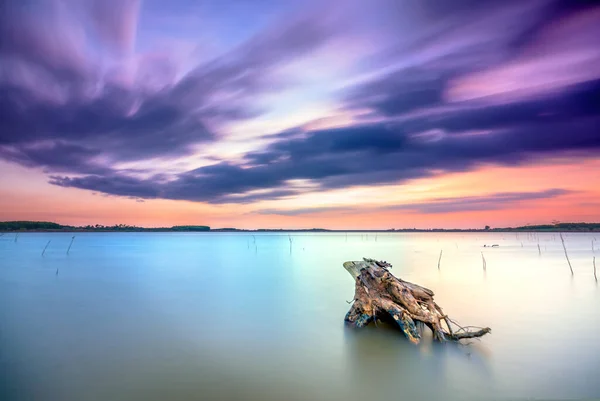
{"x": 380, "y": 361}
{"x": 201, "y": 316}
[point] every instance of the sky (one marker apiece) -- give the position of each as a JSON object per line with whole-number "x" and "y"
{"x": 334, "y": 114}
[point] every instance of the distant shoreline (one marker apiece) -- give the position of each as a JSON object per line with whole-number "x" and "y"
{"x": 32, "y": 226}
{"x": 303, "y": 231}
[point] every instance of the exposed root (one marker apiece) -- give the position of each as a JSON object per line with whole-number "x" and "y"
{"x": 378, "y": 294}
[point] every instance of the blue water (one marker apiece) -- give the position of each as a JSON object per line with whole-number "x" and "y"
{"x": 180, "y": 316}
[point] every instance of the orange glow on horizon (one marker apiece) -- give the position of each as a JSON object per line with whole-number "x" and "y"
{"x": 20, "y": 200}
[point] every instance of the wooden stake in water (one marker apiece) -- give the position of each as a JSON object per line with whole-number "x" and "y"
{"x": 566, "y": 255}
{"x": 290, "y": 238}
{"x": 539, "y": 250}
{"x": 483, "y": 260}
{"x": 596, "y": 277}
{"x": 16, "y": 236}
{"x": 71, "y": 244}
{"x": 44, "y": 251}
{"x": 440, "y": 258}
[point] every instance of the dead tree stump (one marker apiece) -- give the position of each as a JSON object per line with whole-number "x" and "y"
{"x": 380, "y": 295}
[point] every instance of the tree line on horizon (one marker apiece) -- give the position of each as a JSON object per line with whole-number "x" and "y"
{"x": 51, "y": 226}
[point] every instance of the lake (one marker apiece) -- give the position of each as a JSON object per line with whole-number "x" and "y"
{"x": 236, "y": 316}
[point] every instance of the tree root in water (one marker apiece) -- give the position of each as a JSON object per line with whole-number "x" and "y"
{"x": 380, "y": 295}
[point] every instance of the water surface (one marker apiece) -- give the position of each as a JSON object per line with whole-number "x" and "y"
{"x": 219, "y": 316}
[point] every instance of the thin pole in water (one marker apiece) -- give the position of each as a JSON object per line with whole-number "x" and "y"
{"x": 596, "y": 277}
{"x": 539, "y": 250}
{"x": 290, "y": 238}
{"x": 483, "y": 260}
{"x": 71, "y": 244}
{"x": 566, "y": 255}
{"x": 440, "y": 258}
{"x": 44, "y": 251}
{"x": 16, "y": 236}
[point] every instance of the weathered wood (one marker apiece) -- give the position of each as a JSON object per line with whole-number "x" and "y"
{"x": 378, "y": 294}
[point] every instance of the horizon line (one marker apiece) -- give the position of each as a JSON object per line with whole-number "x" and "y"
{"x": 53, "y": 226}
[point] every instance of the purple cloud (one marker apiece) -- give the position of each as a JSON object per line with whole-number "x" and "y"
{"x": 444, "y": 86}
{"x": 59, "y": 97}
{"x": 43, "y": 39}
{"x": 495, "y": 201}
{"x": 381, "y": 153}
{"x": 115, "y": 22}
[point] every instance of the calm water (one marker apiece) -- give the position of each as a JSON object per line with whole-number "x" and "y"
{"x": 181, "y": 316}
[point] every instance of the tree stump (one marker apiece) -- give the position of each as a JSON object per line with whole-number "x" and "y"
{"x": 380, "y": 295}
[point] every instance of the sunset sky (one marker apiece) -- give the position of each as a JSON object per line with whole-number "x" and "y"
{"x": 336, "y": 113}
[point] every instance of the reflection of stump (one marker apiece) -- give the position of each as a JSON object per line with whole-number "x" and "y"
{"x": 378, "y": 294}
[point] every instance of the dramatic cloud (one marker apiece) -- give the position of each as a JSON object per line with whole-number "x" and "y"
{"x": 380, "y": 153}
{"x": 115, "y": 22}
{"x": 400, "y": 92}
{"x": 439, "y": 87}
{"x": 115, "y": 124}
{"x": 56, "y": 98}
{"x": 496, "y": 201}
